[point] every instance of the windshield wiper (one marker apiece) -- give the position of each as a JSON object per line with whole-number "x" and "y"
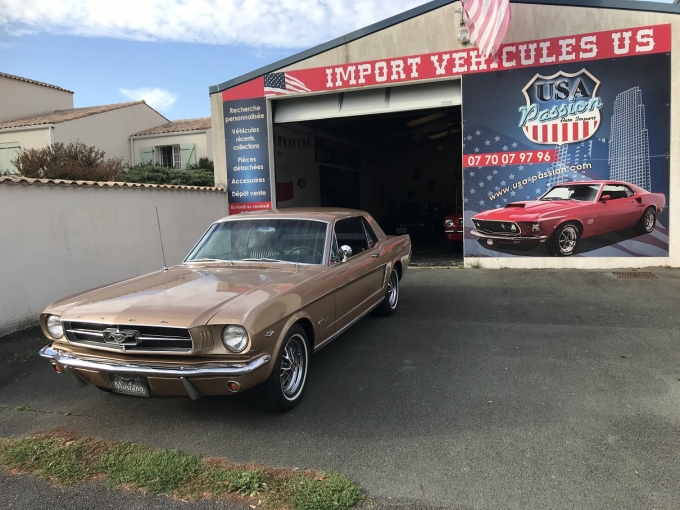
{"x": 265, "y": 259}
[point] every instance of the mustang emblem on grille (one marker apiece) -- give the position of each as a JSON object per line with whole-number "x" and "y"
{"x": 121, "y": 336}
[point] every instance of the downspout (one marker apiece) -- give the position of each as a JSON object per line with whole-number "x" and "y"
{"x": 51, "y": 136}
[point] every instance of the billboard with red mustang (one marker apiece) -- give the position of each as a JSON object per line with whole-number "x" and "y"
{"x": 568, "y": 159}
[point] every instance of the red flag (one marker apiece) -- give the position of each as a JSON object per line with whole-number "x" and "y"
{"x": 487, "y": 21}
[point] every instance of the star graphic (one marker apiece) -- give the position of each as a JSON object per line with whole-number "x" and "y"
{"x": 497, "y": 188}
{"x": 511, "y": 176}
{"x": 481, "y": 184}
{"x": 476, "y": 149}
{"x": 514, "y": 144}
{"x": 465, "y": 200}
{"x": 488, "y": 142}
{"x": 498, "y": 206}
{"x": 478, "y": 132}
{"x": 481, "y": 202}
{"x": 471, "y": 174}
{"x": 463, "y": 146}
{"x": 495, "y": 172}
{"x": 505, "y": 147}
{"x": 502, "y": 183}
{"x": 505, "y": 200}
{"x": 512, "y": 193}
{"x": 538, "y": 190}
{"x": 521, "y": 167}
{"x": 497, "y": 138}
{"x": 472, "y": 190}
{"x": 489, "y": 177}
{"x": 469, "y": 137}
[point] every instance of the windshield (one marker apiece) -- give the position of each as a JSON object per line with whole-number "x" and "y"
{"x": 269, "y": 240}
{"x": 582, "y": 192}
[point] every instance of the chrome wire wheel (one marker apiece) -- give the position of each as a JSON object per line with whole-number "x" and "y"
{"x": 568, "y": 239}
{"x": 393, "y": 290}
{"x": 649, "y": 220}
{"x": 293, "y": 367}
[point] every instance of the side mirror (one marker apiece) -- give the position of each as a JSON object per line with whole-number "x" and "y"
{"x": 345, "y": 252}
{"x": 605, "y": 198}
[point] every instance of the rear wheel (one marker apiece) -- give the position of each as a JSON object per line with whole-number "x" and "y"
{"x": 283, "y": 389}
{"x": 389, "y": 304}
{"x": 564, "y": 240}
{"x": 647, "y": 221}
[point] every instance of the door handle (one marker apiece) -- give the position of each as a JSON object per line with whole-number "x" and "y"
{"x": 375, "y": 255}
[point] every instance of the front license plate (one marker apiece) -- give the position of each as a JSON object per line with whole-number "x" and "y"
{"x": 130, "y": 385}
{"x": 401, "y": 230}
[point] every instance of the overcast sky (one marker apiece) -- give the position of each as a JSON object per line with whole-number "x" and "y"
{"x": 167, "y": 51}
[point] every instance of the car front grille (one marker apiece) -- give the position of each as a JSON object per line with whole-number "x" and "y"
{"x": 146, "y": 338}
{"x": 501, "y": 228}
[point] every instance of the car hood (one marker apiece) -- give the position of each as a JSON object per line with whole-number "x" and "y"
{"x": 531, "y": 210}
{"x": 183, "y": 296}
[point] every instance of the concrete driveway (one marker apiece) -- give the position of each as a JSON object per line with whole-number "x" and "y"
{"x": 488, "y": 389}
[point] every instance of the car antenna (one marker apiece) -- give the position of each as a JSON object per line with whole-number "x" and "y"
{"x": 165, "y": 266}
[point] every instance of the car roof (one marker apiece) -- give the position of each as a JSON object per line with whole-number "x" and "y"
{"x": 327, "y": 214}
{"x": 601, "y": 181}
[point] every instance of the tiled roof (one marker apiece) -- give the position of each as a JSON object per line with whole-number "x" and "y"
{"x": 178, "y": 126}
{"x": 94, "y": 184}
{"x": 34, "y": 82}
{"x": 65, "y": 115}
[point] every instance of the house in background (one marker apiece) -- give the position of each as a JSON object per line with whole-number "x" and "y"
{"x": 106, "y": 127}
{"x": 175, "y": 144}
{"x": 35, "y": 114}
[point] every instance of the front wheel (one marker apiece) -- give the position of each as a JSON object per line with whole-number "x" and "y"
{"x": 283, "y": 389}
{"x": 564, "y": 240}
{"x": 389, "y": 304}
{"x": 647, "y": 221}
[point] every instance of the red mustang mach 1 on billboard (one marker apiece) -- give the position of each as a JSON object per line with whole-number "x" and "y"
{"x": 569, "y": 212}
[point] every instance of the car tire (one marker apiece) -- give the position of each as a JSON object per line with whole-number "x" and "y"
{"x": 389, "y": 304}
{"x": 284, "y": 387}
{"x": 565, "y": 240}
{"x": 647, "y": 222}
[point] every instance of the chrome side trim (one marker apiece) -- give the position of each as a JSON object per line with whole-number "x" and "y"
{"x": 67, "y": 359}
{"x": 477, "y": 233}
{"x": 347, "y": 326}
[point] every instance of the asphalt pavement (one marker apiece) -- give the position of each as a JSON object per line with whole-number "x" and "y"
{"x": 486, "y": 390}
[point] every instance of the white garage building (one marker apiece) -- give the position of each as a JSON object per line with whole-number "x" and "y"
{"x": 401, "y": 115}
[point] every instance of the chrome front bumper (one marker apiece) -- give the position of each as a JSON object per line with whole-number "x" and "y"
{"x": 67, "y": 360}
{"x": 513, "y": 239}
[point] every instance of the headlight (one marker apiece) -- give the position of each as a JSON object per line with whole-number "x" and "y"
{"x": 448, "y": 223}
{"x": 535, "y": 227}
{"x": 54, "y": 326}
{"x": 235, "y": 338}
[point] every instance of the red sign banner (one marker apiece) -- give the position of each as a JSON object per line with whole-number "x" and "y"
{"x": 235, "y": 208}
{"x": 608, "y": 44}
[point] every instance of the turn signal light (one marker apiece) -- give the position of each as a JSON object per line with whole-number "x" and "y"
{"x": 57, "y": 369}
{"x": 233, "y": 386}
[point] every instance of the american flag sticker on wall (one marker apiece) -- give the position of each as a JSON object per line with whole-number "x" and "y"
{"x": 279, "y": 84}
{"x": 561, "y": 108}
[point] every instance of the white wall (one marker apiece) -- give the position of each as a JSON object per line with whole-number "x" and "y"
{"x": 202, "y": 140}
{"x": 110, "y": 131}
{"x": 63, "y": 240}
{"x": 37, "y": 137}
{"x": 19, "y": 99}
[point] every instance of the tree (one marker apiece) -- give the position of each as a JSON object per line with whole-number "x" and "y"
{"x": 75, "y": 161}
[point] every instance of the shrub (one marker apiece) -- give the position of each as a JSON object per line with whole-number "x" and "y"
{"x": 75, "y": 161}
{"x": 148, "y": 173}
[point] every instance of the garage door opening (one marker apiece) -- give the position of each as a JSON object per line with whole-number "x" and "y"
{"x": 404, "y": 168}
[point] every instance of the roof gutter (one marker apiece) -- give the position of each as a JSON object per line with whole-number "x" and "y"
{"x": 171, "y": 133}
{"x": 29, "y": 128}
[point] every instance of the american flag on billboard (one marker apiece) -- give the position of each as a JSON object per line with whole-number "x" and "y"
{"x": 488, "y": 21}
{"x": 278, "y": 84}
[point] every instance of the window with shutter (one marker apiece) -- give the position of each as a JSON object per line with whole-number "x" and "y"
{"x": 8, "y": 153}
{"x": 146, "y": 155}
{"x": 188, "y": 154}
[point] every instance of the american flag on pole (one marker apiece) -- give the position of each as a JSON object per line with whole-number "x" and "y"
{"x": 279, "y": 84}
{"x": 488, "y": 21}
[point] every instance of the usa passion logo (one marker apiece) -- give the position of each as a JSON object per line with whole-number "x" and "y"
{"x": 561, "y": 108}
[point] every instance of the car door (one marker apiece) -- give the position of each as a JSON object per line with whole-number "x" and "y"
{"x": 619, "y": 211}
{"x": 359, "y": 278}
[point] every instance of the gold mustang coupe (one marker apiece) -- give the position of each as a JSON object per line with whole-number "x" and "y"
{"x": 256, "y": 295}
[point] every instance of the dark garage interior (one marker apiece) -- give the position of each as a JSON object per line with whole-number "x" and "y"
{"x": 404, "y": 168}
